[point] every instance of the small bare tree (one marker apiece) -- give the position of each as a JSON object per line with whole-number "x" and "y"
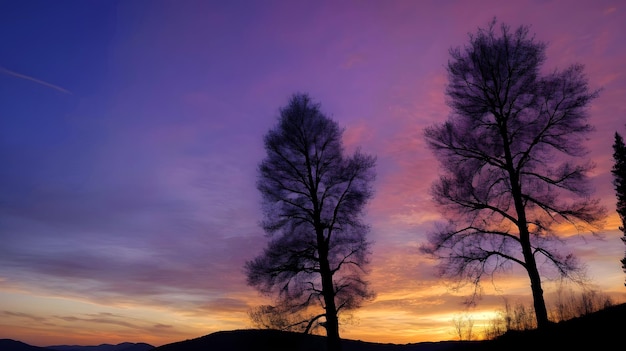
{"x": 509, "y": 155}
{"x": 464, "y": 327}
{"x": 282, "y": 317}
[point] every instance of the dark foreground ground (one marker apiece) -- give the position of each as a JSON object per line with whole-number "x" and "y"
{"x": 599, "y": 331}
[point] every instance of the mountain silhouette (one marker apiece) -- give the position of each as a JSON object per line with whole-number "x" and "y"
{"x": 14, "y": 345}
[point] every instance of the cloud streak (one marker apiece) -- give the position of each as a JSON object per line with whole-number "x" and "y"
{"x": 34, "y": 80}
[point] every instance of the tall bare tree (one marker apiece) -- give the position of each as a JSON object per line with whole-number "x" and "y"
{"x": 313, "y": 200}
{"x": 509, "y": 156}
{"x": 619, "y": 182}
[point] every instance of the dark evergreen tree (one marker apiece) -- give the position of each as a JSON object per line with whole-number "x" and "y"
{"x": 619, "y": 181}
{"x": 508, "y": 154}
{"x": 313, "y": 201}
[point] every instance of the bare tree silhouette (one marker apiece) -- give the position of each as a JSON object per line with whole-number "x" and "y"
{"x": 313, "y": 200}
{"x": 508, "y": 155}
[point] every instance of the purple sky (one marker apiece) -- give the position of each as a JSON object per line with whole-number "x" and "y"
{"x": 130, "y": 132}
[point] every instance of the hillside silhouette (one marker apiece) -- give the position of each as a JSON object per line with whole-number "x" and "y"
{"x": 601, "y": 330}
{"x": 275, "y": 340}
{"x": 125, "y": 346}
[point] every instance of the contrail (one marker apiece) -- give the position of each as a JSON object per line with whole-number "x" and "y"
{"x": 19, "y": 75}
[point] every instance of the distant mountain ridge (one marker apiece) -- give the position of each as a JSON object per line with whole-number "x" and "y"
{"x": 14, "y": 345}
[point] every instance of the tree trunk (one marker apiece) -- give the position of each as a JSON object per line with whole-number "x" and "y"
{"x": 332, "y": 327}
{"x": 328, "y": 290}
{"x": 541, "y": 313}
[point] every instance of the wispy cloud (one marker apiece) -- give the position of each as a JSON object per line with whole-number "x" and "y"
{"x": 23, "y": 315}
{"x": 32, "y": 79}
{"x": 102, "y": 318}
{"x": 117, "y": 320}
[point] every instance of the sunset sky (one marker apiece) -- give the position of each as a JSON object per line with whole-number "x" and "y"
{"x": 130, "y": 133}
